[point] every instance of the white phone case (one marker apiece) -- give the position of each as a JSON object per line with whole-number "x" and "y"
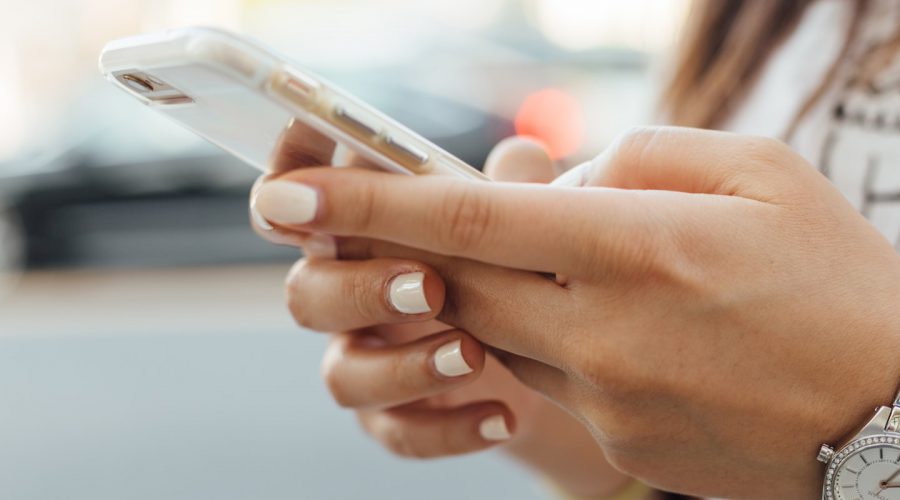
{"x": 242, "y": 97}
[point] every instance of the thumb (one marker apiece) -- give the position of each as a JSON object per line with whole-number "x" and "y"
{"x": 520, "y": 159}
{"x": 690, "y": 161}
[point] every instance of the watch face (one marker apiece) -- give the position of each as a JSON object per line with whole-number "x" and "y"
{"x": 866, "y": 469}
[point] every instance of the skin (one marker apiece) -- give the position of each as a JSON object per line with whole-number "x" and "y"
{"x": 379, "y": 363}
{"x": 724, "y": 309}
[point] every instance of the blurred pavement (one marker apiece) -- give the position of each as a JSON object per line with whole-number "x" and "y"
{"x": 183, "y": 384}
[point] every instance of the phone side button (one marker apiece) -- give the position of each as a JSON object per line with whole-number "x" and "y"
{"x": 299, "y": 90}
{"x": 353, "y": 122}
{"x": 415, "y": 154}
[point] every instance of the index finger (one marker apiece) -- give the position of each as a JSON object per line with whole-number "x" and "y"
{"x": 301, "y": 146}
{"x": 531, "y": 227}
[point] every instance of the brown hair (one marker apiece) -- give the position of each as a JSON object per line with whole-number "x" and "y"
{"x": 724, "y": 47}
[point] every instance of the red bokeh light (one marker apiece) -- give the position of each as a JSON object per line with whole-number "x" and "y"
{"x": 553, "y": 117}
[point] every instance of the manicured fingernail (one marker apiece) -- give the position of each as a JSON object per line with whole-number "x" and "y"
{"x": 449, "y": 361}
{"x": 494, "y": 428}
{"x": 260, "y": 221}
{"x": 407, "y": 293}
{"x": 284, "y": 202}
{"x": 321, "y": 246}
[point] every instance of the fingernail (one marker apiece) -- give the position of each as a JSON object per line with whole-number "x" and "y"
{"x": 284, "y": 202}
{"x": 574, "y": 177}
{"x": 321, "y": 246}
{"x": 449, "y": 361}
{"x": 407, "y": 293}
{"x": 494, "y": 428}
{"x": 260, "y": 221}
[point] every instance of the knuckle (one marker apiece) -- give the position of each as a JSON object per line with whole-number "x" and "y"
{"x": 404, "y": 374}
{"x": 337, "y": 390}
{"x": 631, "y": 145}
{"x": 449, "y": 443}
{"x": 365, "y": 203}
{"x": 296, "y": 296}
{"x": 786, "y": 175}
{"x": 637, "y": 137}
{"x": 359, "y": 289}
{"x": 465, "y": 216}
{"x": 633, "y": 154}
{"x": 416, "y": 450}
{"x": 303, "y": 316}
{"x": 395, "y": 438}
{"x": 767, "y": 153}
{"x": 332, "y": 376}
{"x": 402, "y": 440}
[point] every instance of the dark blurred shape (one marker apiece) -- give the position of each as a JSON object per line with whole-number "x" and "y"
{"x": 117, "y": 198}
{"x": 82, "y": 219}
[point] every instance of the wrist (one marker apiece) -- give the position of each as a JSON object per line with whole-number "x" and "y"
{"x": 831, "y": 395}
{"x": 869, "y": 381}
{"x": 860, "y": 422}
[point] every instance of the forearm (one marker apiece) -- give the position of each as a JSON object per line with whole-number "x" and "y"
{"x": 562, "y": 450}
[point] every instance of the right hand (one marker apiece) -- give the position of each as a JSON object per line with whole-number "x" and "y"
{"x": 384, "y": 364}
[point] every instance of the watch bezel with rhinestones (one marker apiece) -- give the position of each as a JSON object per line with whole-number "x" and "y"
{"x": 883, "y": 430}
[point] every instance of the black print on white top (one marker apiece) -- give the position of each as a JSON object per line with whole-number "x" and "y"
{"x": 861, "y": 153}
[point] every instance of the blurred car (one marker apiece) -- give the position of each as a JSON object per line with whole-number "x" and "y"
{"x": 137, "y": 190}
{"x": 118, "y": 185}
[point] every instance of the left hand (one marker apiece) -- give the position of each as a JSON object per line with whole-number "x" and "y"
{"x": 726, "y": 310}
{"x": 383, "y": 363}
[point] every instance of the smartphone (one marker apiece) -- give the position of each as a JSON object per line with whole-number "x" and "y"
{"x": 243, "y": 97}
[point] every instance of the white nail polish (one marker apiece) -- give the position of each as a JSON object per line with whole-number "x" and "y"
{"x": 284, "y": 202}
{"x": 407, "y": 293}
{"x": 449, "y": 360}
{"x": 494, "y": 428}
{"x": 260, "y": 221}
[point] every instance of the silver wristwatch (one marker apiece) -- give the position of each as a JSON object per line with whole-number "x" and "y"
{"x": 868, "y": 465}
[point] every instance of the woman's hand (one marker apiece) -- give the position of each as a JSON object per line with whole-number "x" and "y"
{"x": 726, "y": 310}
{"x": 418, "y": 386}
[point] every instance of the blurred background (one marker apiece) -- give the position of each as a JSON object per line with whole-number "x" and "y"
{"x": 145, "y": 351}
